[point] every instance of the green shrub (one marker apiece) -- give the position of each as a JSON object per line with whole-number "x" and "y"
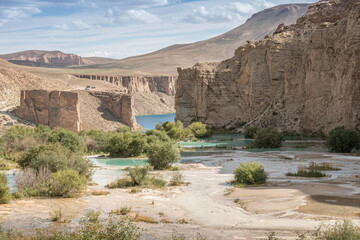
{"x": 199, "y": 130}
{"x": 67, "y": 139}
{"x": 156, "y": 135}
{"x": 5, "y": 196}
{"x": 95, "y": 140}
{"x": 305, "y": 172}
{"x": 340, "y": 231}
{"x": 250, "y": 173}
{"x": 66, "y": 183}
{"x": 138, "y": 174}
{"x": 43, "y": 132}
{"x": 55, "y": 158}
{"x": 267, "y": 138}
{"x": 343, "y": 140}
{"x": 250, "y": 132}
{"x": 161, "y": 155}
{"x": 175, "y": 130}
{"x": 126, "y": 144}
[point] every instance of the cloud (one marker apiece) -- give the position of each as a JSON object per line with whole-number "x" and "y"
{"x": 63, "y": 26}
{"x": 81, "y": 25}
{"x": 76, "y": 24}
{"x": 17, "y": 13}
{"x": 215, "y": 14}
{"x": 115, "y": 15}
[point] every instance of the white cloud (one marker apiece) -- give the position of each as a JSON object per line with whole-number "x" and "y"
{"x": 216, "y": 14}
{"x": 63, "y": 26}
{"x": 17, "y": 13}
{"x": 81, "y": 25}
{"x": 115, "y": 15}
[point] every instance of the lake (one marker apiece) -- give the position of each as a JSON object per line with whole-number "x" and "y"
{"x": 150, "y": 121}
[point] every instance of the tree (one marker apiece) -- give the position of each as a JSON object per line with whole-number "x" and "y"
{"x": 343, "y": 140}
{"x": 162, "y": 154}
{"x": 268, "y": 138}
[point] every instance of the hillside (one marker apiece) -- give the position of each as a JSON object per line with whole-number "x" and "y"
{"x": 45, "y": 59}
{"x": 215, "y": 49}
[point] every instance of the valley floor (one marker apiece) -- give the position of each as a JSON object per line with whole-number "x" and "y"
{"x": 286, "y": 205}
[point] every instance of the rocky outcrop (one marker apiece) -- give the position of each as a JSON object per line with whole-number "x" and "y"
{"x": 121, "y": 106}
{"x": 55, "y": 109}
{"x": 62, "y": 108}
{"x": 134, "y": 84}
{"x": 45, "y": 58}
{"x": 304, "y": 78}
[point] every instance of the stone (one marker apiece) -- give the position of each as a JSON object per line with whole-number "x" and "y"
{"x": 305, "y": 78}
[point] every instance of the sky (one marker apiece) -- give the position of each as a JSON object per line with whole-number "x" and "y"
{"x": 119, "y": 28}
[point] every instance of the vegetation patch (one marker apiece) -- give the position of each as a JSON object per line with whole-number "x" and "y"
{"x": 324, "y": 166}
{"x": 267, "y": 138}
{"x": 121, "y": 211}
{"x": 345, "y": 230}
{"x": 5, "y": 196}
{"x": 100, "y": 192}
{"x": 343, "y": 140}
{"x": 250, "y": 132}
{"x": 250, "y": 173}
{"x": 146, "y": 219}
{"x": 305, "y": 172}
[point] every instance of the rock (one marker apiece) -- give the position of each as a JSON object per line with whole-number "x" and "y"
{"x": 135, "y": 84}
{"x": 307, "y": 73}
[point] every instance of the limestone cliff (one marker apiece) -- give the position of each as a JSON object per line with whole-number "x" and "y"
{"x": 135, "y": 84}
{"x": 304, "y": 78}
{"x": 71, "y": 110}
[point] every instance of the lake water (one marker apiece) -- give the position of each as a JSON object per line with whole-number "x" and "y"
{"x": 150, "y": 121}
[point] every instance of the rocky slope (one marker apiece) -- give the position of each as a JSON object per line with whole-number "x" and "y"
{"x": 45, "y": 59}
{"x": 215, "y": 49}
{"x": 304, "y": 78}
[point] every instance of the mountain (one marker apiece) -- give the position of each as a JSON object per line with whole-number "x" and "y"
{"x": 304, "y": 78}
{"x": 215, "y": 49}
{"x": 45, "y": 59}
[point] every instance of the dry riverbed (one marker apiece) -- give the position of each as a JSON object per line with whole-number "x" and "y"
{"x": 209, "y": 205}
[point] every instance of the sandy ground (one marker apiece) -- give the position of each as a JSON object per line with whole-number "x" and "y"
{"x": 207, "y": 205}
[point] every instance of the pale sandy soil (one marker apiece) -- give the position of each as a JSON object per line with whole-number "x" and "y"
{"x": 288, "y": 207}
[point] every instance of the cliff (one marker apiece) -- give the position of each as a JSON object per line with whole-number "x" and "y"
{"x": 304, "y": 78}
{"x": 134, "y": 84}
{"x": 72, "y": 110}
{"x": 45, "y": 59}
{"x": 55, "y": 109}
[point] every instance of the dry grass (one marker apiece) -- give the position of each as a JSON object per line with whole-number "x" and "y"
{"x": 99, "y": 192}
{"x": 146, "y": 219}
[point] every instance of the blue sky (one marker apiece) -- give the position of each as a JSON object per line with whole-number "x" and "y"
{"x": 119, "y": 28}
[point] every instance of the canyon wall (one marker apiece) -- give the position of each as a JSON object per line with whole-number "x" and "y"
{"x": 55, "y": 108}
{"x": 62, "y": 109}
{"x": 133, "y": 84}
{"x": 304, "y": 78}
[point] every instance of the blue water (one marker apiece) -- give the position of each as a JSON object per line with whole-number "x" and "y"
{"x": 119, "y": 161}
{"x": 150, "y": 121}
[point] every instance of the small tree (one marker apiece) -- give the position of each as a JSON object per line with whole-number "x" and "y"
{"x": 161, "y": 155}
{"x": 250, "y": 173}
{"x": 268, "y": 138}
{"x": 66, "y": 183}
{"x": 250, "y": 132}
{"x": 67, "y": 139}
{"x": 5, "y": 196}
{"x": 343, "y": 140}
{"x": 200, "y": 130}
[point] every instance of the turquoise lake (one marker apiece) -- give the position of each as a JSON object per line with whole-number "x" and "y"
{"x": 150, "y": 121}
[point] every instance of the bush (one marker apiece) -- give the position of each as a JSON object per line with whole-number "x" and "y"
{"x": 5, "y": 196}
{"x": 33, "y": 183}
{"x": 161, "y": 155}
{"x": 305, "y": 172}
{"x": 126, "y": 144}
{"x": 267, "y": 138}
{"x": 250, "y": 173}
{"x": 67, "y": 139}
{"x": 138, "y": 174}
{"x": 250, "y": 132}
{"x": 340, "y": 231}
{"x": 95, "y": 140}
{"x": 175, "y": 131}
{"x": 342, "y": 140}
{"x": 55, "y": 158}
{"x": 199, "y": 130}
{"x": 66, "y": 183}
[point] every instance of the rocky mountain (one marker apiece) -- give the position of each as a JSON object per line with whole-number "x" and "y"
{"x": 303, "y": 78}
{"x": 45, "y": 59}
{"x": 215, "y": 49}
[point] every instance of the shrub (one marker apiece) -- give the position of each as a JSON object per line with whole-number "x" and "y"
{"x": 177, "y": 179}
{"x": 340, "y": 231}
{"x": 305, "y": 172}
{"x": 250, "y": 173}
{"x": 156, "y": 135}
{"x": 55, "y": 158}
{"x": 67, "y": 139}
{"x": 161, "y": 155}
{"x": 175, "y": 130}
{"x": 138, "y": 174}
{"x": 250, "y": 131}
{"x": 343, "y": 140}
{"x": 66, "y": 183}
{"x": 267, "y": 138}
{"x": 5, "y": 196}
{"x": 33, "y": 183}
{"x": 126, "y": 144}
{"x": 199, "y": 130}
{"x": 95, "y": 140}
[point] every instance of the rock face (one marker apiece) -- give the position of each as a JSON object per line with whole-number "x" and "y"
{"x": 62, "y": 109}
{"x": 45, "y": 58}
{"x": 134, "y": 84}
{"x": 304, "y": 78}
{"x": 55, "y": 109}
{"x": 122, "y": 106}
